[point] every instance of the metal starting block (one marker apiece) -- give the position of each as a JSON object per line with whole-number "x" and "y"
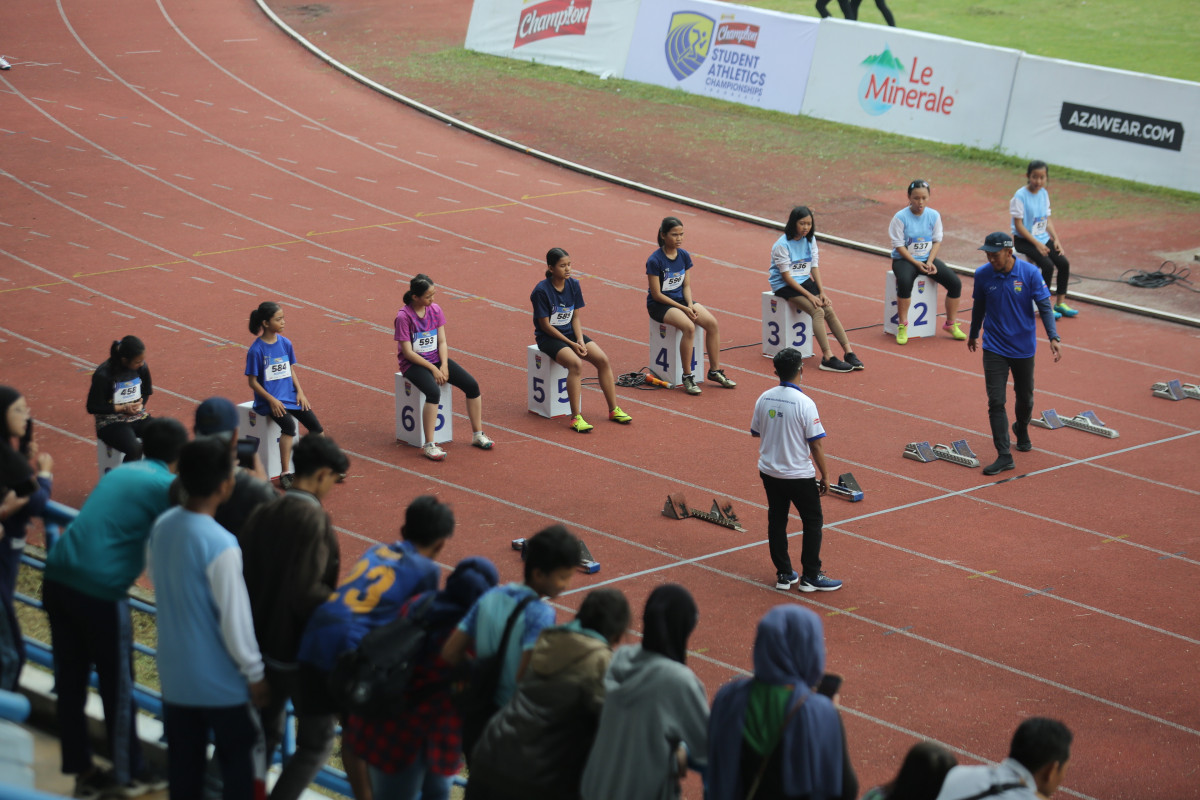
{"x": 721, "y": 513}
{"x": 847, "y": 488}
{"x": 587, "y": 564}
{"x": 1088, "y": 421}
{"x": 1049, "y": 420}
{"x": 1175, "y": 390}
{"x": 957, "y": 453}
{"x": 920, "y": 451}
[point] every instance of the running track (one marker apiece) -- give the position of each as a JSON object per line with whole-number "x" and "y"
{"x": 166, "y": 165}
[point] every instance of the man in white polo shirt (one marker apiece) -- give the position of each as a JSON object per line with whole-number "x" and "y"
{"x": 790, "y": 456}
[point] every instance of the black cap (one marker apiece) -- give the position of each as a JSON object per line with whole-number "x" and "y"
{"x": 995, "y": 242}
{"x": 216, "y": 415}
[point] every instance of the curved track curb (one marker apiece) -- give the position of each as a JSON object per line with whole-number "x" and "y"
{"x": 652, "y": 190}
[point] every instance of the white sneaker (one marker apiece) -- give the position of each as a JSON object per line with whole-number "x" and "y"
{"x": 482, "y": 441}
{"x": 4, "y": 64}
{"x": 433, "y": 452}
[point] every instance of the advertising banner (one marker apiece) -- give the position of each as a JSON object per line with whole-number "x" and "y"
{"x": 732, "y": 52}
{"x": 588, "y": 35}
{"x": 914, "y": 84}
{"x": 1125, "y": 124}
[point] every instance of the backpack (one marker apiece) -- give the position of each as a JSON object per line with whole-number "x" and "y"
{"x": 477, "y": 703}
{"x": 372, "y": 680}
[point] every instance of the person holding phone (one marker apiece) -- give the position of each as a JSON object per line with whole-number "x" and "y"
{"x": 775, "y": 735}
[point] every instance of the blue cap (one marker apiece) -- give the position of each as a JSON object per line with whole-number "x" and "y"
{"x": 216, "y": 415}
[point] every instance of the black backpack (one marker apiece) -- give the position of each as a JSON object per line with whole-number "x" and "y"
{"x": 372, "y": 680}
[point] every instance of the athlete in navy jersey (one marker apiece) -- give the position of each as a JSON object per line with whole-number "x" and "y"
{"x": 121, "y": 387}
{"x": 669, "y": 300}
{"x": 558, "y": 333}
{"x": 271, "y": 373}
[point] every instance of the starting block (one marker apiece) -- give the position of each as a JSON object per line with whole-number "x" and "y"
{"x": 1088, "y": 421}
{"x": 587, "y": 564}
{"x": 920, "y": 451}
{"x": 1175, "y": 390}
{"x": 847, "y": 488}
{"x": 957, "y": 453}
{"x": 721, "y": 513}
{"x": 1049, "y": 420}
{"x": 1083, "y": 421}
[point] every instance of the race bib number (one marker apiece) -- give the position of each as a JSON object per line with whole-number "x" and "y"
{"x": 562, "y": 316}
{"x": 920, "y": 250}
{"x": 801, "y": 269}
{"x": 1039, "y": 227}
{"x": 127, "y": 392}
{"x": 425, "y": 343}
{"x": 278, "y": 369}
{"x": 672, "y": 281}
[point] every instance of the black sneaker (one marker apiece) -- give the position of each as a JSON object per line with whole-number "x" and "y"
{"x": 1023, "y": 442}
{"x": 835, "y": 364}
{"x": 786, "y": 580}
{"x": 1001, "y": 464}
{"x": 853, "y": 361}
{"x": 95, "y": 784}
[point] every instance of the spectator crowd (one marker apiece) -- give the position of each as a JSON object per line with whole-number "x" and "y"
{"x": 420, "y": 673}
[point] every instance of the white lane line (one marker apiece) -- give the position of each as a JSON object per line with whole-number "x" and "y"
{"x": 261, "y": 196}
{"x": 193, "y": 225}
{"x": 406, "y": 189}
{"x": 326, "y": 169}
{"x": 302, "y": 208}
{"x": 198, "y": 278}
{"x": 123, "y": 314}
{"x": 117, "y": 255}
{"x": 368, "y": 180}
{"x": 234, "y": 236}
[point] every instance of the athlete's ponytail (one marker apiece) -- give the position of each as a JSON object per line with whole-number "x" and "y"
{"x": 260, "y": 315}
{"x": 665, "y": 227}
{"x": 419, "y": 285}
{"x": 124, "y": 349}
{"x": 553, "y": 256}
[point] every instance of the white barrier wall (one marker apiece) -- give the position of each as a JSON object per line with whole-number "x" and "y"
{"x": 1118, "y": 123}
{"x": 915, "y": 84}
{"x": 732, "y": 52}
{"x": 588, "y": 35}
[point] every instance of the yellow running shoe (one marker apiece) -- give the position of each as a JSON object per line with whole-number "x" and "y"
{"x": 617, "y": 415}
{"x": 579, "y": 424}
{"x": 955, "y": 331}
{"x": 902, "y": 334}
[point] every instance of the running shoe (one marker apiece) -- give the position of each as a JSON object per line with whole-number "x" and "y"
{"x": 955, "y": 331}
{"x": 4, "y": 64}
{"x": 1057, "y": 313}
{"x": 1065, "y": 310}
{"x": 579, "y": 424}
{"x": 786, "y": 580}
{"x": 901, "y": 334}
{"x": 853, "y": 361}
{"x": 617, "y": 415}
{"x": 835, "y": 364}
{"x": 718, "y": 376}
{"x": 689, "y": 385}
{"x": 481, "y": 440}
{"x": 94, "y": 784}
{"x": 433, "y": 452}
{"x": 820, "y": 583}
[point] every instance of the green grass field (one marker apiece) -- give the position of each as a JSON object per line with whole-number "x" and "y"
{"x": 1161, "y": 38}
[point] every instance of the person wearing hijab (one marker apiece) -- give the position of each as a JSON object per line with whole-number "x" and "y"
{"x": 773, "y": 736}
{"x": 655, "y": 708}
{"x": 418, "y": 753}
{"x": 22, "y": 496}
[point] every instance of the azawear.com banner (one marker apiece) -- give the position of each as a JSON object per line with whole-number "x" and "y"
{"x": 733, "y": 52}
{"x": 588, "y": 35}
{"x": 1127, "y": 124}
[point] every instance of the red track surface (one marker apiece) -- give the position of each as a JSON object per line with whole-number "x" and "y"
{"x": 165, "y": 166}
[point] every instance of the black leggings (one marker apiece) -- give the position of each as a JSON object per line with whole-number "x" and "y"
{"x": 1046, "y": 263}
{"x": 287, "y": 425}
{"x": 906, "y": 276}
{"x": 125, "y": 437}
{"x": 423, "y": 379}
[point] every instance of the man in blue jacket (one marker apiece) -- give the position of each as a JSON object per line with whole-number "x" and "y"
{"x": 1006, "y": 291}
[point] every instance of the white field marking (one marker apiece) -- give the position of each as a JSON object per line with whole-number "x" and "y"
{"x": 193, "y": 225}
{"x": 117, "y": 255}
{"x": 238, "y": 110}
{"x": 288, "y": 160}
{"x": 198, "y": 278}
{"x": 406, "y": 189}
{"x": 538, "y": 221}
{"x": 326, "y": 169}
{"x": 156, "y": 216}
{"x": 368, "y": 180}
{"x": 261, "y": 196}
{"x": 302, "y": 208}
{"x": 450, "y": 200}
{"x": 166, "y": 327}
